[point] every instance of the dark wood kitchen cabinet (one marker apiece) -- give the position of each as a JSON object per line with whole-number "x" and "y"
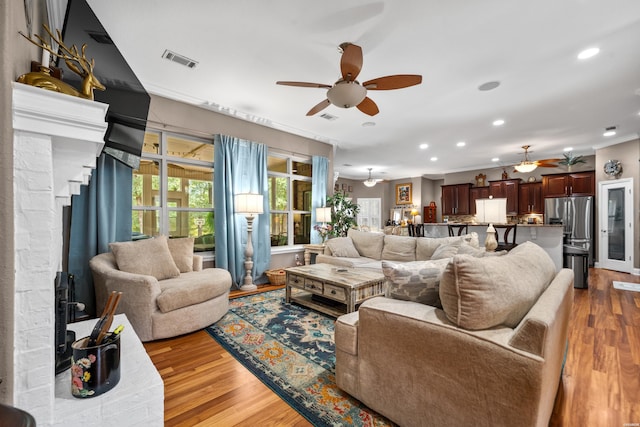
{"x": 506, "y": 189}
{"x": 474, "y": 194}
{"x": 455, "y": 199}
{"x": 569, "y": 184}
{"x": 530, "y": 200}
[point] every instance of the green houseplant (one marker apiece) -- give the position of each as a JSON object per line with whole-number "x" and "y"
{"x": 343, "y": 213}
{"x": 570, "y": 160}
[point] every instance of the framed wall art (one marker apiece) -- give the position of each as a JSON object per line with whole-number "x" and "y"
{"x": 403, "y": 194}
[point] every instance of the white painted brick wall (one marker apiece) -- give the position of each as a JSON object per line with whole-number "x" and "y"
{"x": 53, "y": 148}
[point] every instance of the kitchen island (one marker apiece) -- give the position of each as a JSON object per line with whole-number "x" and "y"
{"x": 548, "y": 236}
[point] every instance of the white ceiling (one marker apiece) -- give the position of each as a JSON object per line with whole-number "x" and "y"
{"x": 548, "y": 98}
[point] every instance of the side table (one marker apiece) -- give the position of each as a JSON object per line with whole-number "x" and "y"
{"x": 312, "y": 248}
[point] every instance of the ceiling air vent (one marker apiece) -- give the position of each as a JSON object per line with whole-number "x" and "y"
{"x": 182, "y": 60}
{"x": 328, "y": 117}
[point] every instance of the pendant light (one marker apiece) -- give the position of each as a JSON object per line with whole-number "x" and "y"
{"x": 369, "y": 182}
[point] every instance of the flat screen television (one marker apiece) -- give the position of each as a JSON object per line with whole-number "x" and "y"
{"x": 128, "y": 100}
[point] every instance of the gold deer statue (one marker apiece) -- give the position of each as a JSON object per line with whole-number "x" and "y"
{"x": 76, "y": 61}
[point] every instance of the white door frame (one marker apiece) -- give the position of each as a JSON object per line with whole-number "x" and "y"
{"x": 603, "y": 225}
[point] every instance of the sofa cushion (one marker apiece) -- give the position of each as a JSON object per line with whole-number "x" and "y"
{"x": 480, "y": 293}
{"x": 447, "y": 250}
{"x": 368, "y": 244}
{"x": 417, "y": 281}
{"x": 342, "y": 247}
{"x": 399, "y": 248}
{"x": 182, "y": 253}
{"x": 192, "y": 288}
{"x": 150, "y": 257}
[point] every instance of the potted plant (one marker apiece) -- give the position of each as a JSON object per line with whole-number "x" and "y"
{"x": 343, "y": 214}
{"x": 570, "y": 160}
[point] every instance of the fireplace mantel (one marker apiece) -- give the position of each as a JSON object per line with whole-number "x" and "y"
{"x": 56, "y": 141}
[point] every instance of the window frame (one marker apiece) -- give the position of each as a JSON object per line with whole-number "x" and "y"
{"x": 291, "y": 177}
{"x": 163, "y": 158}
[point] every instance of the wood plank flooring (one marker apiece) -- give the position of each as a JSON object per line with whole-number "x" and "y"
{"x": 206, "y": 386}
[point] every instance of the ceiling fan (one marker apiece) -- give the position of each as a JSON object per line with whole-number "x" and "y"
{"x": 527, "y": 165}
{"x": 347, "y": 92}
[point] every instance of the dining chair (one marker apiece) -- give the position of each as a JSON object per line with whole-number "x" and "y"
{"x": 457, "y": 229}
{"x": 506, "y": 240}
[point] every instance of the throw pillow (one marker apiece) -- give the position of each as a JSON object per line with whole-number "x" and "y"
{"x": 368, "y": 244}
{"x": 342, "y": 247}
{"x": 399, "y": 248}
{"x": 467, "y": 249}
{"x": 182, "y": 253}
{"x": 481, "y": 293}
{"x": 150, "y": 257}
{"x": 417, "y": 281}
{"x": 446, "y": 251}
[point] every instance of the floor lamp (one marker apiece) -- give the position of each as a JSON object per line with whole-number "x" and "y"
{"x": 248, "y": 204}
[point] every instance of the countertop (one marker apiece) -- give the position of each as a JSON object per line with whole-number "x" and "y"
{"x": 486, "y": 224}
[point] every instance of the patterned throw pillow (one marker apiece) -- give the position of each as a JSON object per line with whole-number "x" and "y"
{"x": 417, "y": 281}
{"x": 342, "y": 247}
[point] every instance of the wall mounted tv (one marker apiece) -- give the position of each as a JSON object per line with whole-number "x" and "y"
{"x": 128, "y": 100}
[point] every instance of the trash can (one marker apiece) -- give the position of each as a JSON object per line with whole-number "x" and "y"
{"x": 577, "y": 259}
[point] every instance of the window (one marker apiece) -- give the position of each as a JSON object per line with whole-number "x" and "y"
{"x": 289, "y": 199}
{"x": 173, "y": 189}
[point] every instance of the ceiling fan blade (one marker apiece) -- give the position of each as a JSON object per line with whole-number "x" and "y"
{"x": 321, "y": 106}
{"x": 351, "y": 61}
{"x": 369, "y": 107}
{"x": 547, "y": 165}
{"x": 397, "y": 81}
{"x": 304, "y": 84}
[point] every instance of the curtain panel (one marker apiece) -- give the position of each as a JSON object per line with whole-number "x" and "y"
{"x": 320, "y": 167}
{"x": 240, "y": 166}
{"x": 100, "y": 214}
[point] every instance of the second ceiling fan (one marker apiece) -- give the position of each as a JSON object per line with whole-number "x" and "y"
{"x": 347, "y": 92}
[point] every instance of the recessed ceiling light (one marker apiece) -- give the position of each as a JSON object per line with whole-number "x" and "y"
{"x": 498, "y": 122}
{"x": 488, "y": 86}
{"x": 368, "y": 124}
{"x": 347, "y": 165}
{"x": 424, "y": 146}
{"x": 610, "y": 131}
{"x": 433, "y": 159}
{"x": 495, "y": 159}
{"x": 461, "y": 144}
{"x": 588, "y": 53}
{"x": 567, "y": 149}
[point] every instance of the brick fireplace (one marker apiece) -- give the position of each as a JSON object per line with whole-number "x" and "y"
{"x": 57, "y": 139}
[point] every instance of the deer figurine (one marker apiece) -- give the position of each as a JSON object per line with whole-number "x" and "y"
{"x": 75, "y": 60}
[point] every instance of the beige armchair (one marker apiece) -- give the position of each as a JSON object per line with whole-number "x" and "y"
{"x": 160, "y": 299}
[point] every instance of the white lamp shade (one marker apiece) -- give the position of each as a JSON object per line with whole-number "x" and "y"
{"x": 248, "y": 203}
{"x": 369, "y": 182}
{"x": 323, "y": 214}
{"x": 491, "y": 210}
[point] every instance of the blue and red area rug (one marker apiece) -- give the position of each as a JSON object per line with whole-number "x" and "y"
{"x": 291, "y": 350}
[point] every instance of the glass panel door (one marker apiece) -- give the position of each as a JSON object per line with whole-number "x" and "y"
{"x": 616, "y": 225}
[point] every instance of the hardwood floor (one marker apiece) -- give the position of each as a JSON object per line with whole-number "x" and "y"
{"x": 206, "y": 386}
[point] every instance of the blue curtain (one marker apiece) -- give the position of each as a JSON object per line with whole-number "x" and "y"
{"x": 240, "y": 167}
{"x": 100, "y": 214}
{"x": 320, "y": 166}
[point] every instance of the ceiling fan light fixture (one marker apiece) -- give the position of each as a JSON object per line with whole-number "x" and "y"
{"x": 610, "y": 131}
{"x": 525, "y": 167}
{"x": 369, "y": 182}
{"x": 346, "y": 94}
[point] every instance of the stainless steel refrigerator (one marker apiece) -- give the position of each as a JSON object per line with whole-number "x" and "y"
{"x": 576, "y": 214}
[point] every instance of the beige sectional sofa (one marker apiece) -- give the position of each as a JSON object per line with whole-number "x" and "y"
{"x": 491, "y": 356}
{"x": 367, "y": 250}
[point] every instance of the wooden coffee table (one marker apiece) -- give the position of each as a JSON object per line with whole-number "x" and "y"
{"x": 330, "y": 289}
